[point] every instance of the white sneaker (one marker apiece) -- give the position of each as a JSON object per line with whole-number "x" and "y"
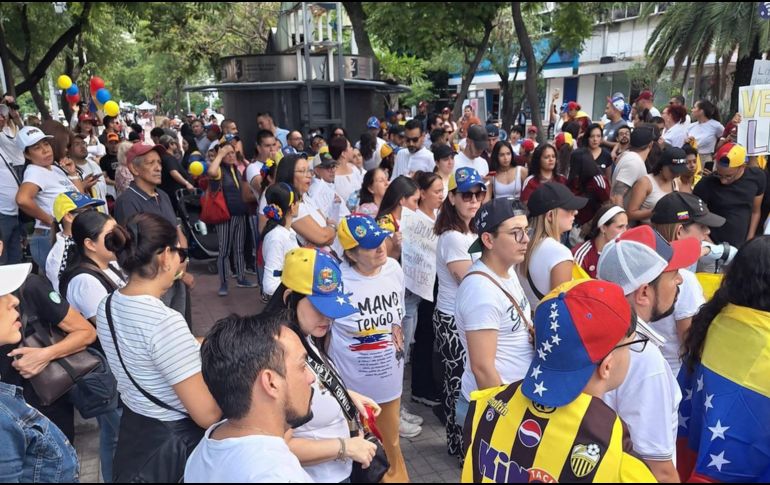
{"x": 408, "y": 430}
{"x": 410, "y": 418}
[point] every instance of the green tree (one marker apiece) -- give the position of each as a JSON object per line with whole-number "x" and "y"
{"x": 722, "y": 28}
{"x": 429, "y": 29}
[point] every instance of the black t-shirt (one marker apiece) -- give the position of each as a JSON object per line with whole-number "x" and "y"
{"x": 734, "y": 202}
{"x": 168, "y": 184}
{"x": 38, "y": 298}
{"x": 109, "y": 165}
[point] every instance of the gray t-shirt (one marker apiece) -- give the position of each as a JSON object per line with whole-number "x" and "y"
{"x": 611, "y": 130}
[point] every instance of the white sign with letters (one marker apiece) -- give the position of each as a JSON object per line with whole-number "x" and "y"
{"x": 754, "y": 130}
{"x": 418, "y": 253}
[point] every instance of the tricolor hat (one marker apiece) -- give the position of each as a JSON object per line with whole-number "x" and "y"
{"x": 361, "y": 231}
{"x": 69, "y": 201}
{"x": 577, "y": 325}
{"x": 731, "y": 155}
{"x": 562, "y": 139}
{"x": 638, "y": 256}
{"x": 313, "y": 273}
{"x": 464, "y": 179}
{"x": 373, "y": 123}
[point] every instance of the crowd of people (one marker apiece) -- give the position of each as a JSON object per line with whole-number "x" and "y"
{"x": 590, "y": 290}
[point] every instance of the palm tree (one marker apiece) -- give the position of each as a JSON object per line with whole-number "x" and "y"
{"x": 690, "y": 31}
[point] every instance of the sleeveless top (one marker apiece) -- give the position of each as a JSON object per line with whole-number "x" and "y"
{"x": 657, "y": 193}
{"x": 509, "y": 190}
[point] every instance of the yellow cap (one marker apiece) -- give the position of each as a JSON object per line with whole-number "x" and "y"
{"x": 70, "y": 201}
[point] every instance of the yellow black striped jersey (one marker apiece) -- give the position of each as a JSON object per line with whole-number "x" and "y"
{"x": 510, "y": 439}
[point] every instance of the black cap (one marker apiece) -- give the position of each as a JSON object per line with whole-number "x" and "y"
{"x": 492, "y": 214}
{"x": 642, "y": 136}
{"x": 396, "y": 130}
{"x": 493, "y": 131}
{"x": 442, "y": 151}
{"x": 675, "y": 158}
{"x": 478, "y": 135}
{"x": 684, "y": 208}
{"x": 553, "y": 195}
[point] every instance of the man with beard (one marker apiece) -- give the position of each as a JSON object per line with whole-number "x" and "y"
{"x": 647, "y": 268}
{"x": 256, "y": 371}
{"x": 416, "y": 157}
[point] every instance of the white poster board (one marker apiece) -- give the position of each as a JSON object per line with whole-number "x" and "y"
{"x": 418, "y": 253}
{"x": 754, "y": 130}
{"x": 761, "y": 72}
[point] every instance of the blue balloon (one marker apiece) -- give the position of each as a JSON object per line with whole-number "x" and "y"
{"x": 92, "y": 107}
{"x": 73, "y": 90}
{"x": 103, "y": 95}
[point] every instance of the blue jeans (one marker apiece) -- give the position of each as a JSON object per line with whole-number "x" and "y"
{"x": 40, "y": 245}
{"x": 33, "y": 448}
{"x": 109, "y": 425}
{"x": 409, "y": 323}
{"x": 10, "y": 228}
{"x": 461, "y": 410}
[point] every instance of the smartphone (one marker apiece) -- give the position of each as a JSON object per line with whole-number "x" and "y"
{"x": 709, "y": 166}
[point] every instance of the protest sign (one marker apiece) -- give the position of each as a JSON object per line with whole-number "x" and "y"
{"x": 418, "y": 253}
{"x": 754, "y": 130}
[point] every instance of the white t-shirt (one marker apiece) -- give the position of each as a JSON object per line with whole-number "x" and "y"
{"x": 676, "y": 135}
{"x": 688, "y": 303}
{"x": 481, "y": 165}
{"x": 362, "y": 344}
{"x": 54, "y": 261}
{"x": 373, "y": 162}
{"x": 407, "y": 163}
{"x": 253, "y": 170}
{"x": 629, "y": 168}
{"x": 252, "y": 459}
{"x": 84, "y": 292}
{"x": 648, "y": 402}
{"x": 483, "y": 306}
{"x": 156, "y": 346}
{"x": 306, "y": 208}
{"x": 275, "y": 246}
{"x": 654, "y": 112}
{"x": 452, "y": 247}
{"x": 8, "y": 186}
{"x": 545, "y": 257}
{"x": 328, "y": 423}
{"x": 706, "y": 135}
{"x": 344, "y": 185}
{"x": 321, "y": 195}
{"x": 51, "y": 182}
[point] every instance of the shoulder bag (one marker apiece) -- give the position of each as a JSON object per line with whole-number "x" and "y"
{"x": 527, "y": 321}
{"x": 214, "y": 206}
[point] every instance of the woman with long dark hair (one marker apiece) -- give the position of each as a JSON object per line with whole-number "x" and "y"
{"x": 609, "y": 222}
{"x": 648, "y": 190}
{"x": 509, "y": 180}
{"x": 154, "y": 356}
{"x": 312, "y": 226}
{"x": 542, "y": 169}
{"x": 369, "y": 150}
{"x": 592, "y": 143}
{"x": 402, "y": 192}
{"x": 324, "y": 445}
{"x": 725, "y": 379}
{"x": 586, "y": 180}
{"x": 373, "y": 190}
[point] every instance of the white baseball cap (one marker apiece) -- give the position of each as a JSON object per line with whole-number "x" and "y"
{"x": 29, "y": 135}
{"x": 12, "y": 276}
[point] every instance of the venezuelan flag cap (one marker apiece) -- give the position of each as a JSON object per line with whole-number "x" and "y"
{"x": 70, "y": 201}
{"x": 363, "y": 231}
{"x": 731, "y": 155}
{"x": 464, "y": 179}
{"x": 576, "y": 326}
{"x": 313, "y": 273}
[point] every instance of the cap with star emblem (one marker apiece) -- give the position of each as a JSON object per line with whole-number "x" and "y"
{"x": 576, "y": 326}
{"x": 359, "y": 230}
{"x": 314, "y": 273}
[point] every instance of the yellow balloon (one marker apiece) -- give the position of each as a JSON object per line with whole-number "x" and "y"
{"x": 196, "y": 169}
{"x": 111, "y": 108}
{"x": 64, "y": 82}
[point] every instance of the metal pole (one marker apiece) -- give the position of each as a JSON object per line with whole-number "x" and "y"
{"x": 308, "y": 69}
{"x": 340, "y": 65}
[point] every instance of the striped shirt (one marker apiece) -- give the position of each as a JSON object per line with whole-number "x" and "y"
{"x": 510, "y": 439}
{"x": 157, "y": 348}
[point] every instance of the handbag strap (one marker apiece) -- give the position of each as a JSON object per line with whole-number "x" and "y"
{"x": 327, "y": 375}
{"x": 11, "y": 169}
{"x": 150, "y": 397}
{"x": 530, "y": 327}
{"x": 537, "y": 293}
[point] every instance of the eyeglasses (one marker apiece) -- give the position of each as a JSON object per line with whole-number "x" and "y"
{"x": 519, "y": 233}
{"x": 304, "y": 172}
{"x": 469, "y": 196}
{"x": 182, "y": 254}
{"x": 728, "y": 177}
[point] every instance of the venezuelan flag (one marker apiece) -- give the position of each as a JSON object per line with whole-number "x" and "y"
{"x": 724, "y": 417}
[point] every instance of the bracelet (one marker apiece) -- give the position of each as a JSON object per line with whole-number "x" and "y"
{"x": 341, "y": 453}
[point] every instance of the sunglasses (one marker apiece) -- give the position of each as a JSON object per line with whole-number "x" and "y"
{"x": 469, "y": 196}
{"x": 412, "y": 140}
